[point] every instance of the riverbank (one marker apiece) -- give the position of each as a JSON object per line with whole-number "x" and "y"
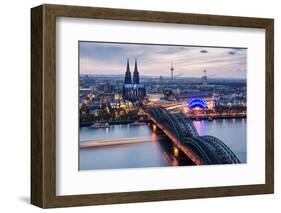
{"x": 87, "y": 124}
{"x": 195, "y": 118}
{"x": 217, "y": 117}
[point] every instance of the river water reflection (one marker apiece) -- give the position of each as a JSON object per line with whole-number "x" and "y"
{"x": 154, "y": 150}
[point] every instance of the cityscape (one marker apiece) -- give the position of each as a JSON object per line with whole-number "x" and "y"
{"x": 135, "y": 117}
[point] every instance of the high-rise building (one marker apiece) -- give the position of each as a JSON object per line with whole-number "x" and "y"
{"x": 161, "y": 79}
{"x": 133, "y": 91}
{"x": 204, "y": 79}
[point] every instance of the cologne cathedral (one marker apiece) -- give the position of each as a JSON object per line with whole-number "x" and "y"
{"x": 132, "y": 89}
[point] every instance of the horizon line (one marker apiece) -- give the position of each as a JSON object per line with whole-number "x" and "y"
{"x": 166, "y": 76}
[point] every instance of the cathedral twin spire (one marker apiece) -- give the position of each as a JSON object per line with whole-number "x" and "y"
{"x": 128, "y": 78}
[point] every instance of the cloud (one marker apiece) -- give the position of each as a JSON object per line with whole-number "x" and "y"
{"x": 203, "y": 51}
{"x": 110, "y": 58}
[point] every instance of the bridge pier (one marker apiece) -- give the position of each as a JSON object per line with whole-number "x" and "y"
{"x": 142, "y": 117}
{"x": 181, "y": 157}
{"x": 154, "y": 127}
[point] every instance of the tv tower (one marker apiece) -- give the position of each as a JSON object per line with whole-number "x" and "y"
{"x": 172, "y": 71}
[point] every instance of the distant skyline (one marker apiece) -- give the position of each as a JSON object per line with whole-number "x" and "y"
{"x": 155, "y": 60}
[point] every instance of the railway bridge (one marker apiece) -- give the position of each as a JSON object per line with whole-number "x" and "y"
{"x": 202, "y": 150}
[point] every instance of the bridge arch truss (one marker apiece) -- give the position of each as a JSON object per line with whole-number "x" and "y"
{"x": 209, "y": 149}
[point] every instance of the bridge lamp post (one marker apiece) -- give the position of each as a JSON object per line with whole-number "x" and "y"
{"x": 154, "y": 128}
{"x": 176, "y": 151}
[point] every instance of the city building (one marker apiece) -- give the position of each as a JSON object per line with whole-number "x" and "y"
{"x": 168, "y": 94}
{"x": 197, "y": 103}
{"x": 204, "y": 79}
{"x": 202, "y": 103}
{"x": 133, "y": 90}
{"x": 107, "y": 88}
{"x": 155, "y": 97}
{"x": 85, "y": 91}
{"x": 105, "y": 98}
{"x": 161, "y": 79}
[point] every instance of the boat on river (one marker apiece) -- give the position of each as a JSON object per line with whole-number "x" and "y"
{"x": 210, "y": 118}
{"x": 99, "y": 125}
{"x": 137, "y": 124}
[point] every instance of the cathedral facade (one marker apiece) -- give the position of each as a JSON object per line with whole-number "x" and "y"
{"x": 132, "y": 89}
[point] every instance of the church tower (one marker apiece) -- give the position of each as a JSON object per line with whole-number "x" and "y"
{"x": 128, "y": 79}
{"x": 132, "y": 89}
{"x": 136, "y": 78}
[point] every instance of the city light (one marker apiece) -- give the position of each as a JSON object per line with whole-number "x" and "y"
{"x": 185, "y": 114}
{"x": 176, "y": 151}
{"x": 197, "y": 103}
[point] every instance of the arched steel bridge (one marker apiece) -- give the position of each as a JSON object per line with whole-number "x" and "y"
{"x": 179, "y": 128}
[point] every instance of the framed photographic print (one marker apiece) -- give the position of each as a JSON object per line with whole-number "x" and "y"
{"x": 136, "y": 106}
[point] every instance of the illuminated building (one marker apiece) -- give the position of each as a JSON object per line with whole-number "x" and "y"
{"x": 155, "y": 97}
{"x": 168, "y": 94}
{"x": 200, "y": 103}
{"x": 105, "y": 97}
{"x": 197, "y": 103}
{"x": 117, "y": 97}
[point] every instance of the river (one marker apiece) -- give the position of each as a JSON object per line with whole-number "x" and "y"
{"x": 153, "y": 150}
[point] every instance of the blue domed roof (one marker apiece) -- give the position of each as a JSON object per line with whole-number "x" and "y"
{"x": 197, "y": 102}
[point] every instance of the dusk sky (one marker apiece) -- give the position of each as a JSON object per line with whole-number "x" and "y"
{"x": 155, "y": 60}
